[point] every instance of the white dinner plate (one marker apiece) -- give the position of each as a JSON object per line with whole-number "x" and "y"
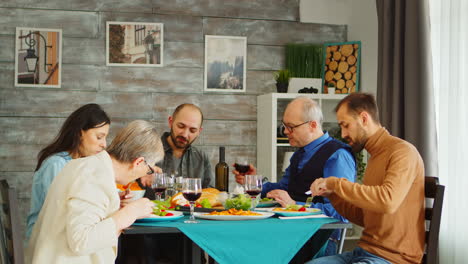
{"x": 233, "y": 217}
{"x": 308, "y": 211}
{"x": 157, "y": 218}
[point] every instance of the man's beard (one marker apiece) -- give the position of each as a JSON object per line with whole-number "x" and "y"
{"x": 179, "y": 145}
{"x": 361, "y": 139}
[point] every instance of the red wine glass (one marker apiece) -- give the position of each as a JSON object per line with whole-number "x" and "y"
{"x": 253, "y": 186}
{"x": 242, "y": 165}
{"x": 191, "y": 190}
{"x": 159, "y": 185}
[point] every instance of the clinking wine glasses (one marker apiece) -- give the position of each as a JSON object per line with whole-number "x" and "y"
{"x": 191, "y": 190}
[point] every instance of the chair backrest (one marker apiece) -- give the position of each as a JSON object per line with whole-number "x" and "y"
{"x": 433, "y": 190}
{"x": 11, "y": 239}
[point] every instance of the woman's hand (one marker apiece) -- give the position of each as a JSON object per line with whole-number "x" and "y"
{"x": 125, "y": 197}
{"x": 126, "y": 215}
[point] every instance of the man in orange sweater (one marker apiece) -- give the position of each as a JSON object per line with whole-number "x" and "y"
{"x": 389, "y": 204}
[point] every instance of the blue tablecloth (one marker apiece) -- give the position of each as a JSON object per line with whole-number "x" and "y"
{"x": 269, "y": 240}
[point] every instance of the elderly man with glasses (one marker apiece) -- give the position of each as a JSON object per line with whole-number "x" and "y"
{"x": 319, "y": 155}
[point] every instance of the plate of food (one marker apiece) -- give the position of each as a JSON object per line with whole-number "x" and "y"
{"x": 293, "y": 210}
{"x": 162, "y": 216}
{"x": 267, "y": 202}
{"x": 233, "y": 215}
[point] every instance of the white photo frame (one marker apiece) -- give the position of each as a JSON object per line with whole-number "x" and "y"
{"x": 225, "y": 63}
{"x": 138, "y": 44}
{"x": 38, "y": 57}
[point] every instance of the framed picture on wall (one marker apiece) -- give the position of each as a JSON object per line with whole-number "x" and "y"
{"x": 341, "y": 67}
{"x": 38, "y": 57}
{"x": 225, "y": 63}
{"x": 134, "y": 44}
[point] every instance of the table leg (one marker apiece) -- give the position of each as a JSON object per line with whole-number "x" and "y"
{"x": 342, "y": 238}
{"x": 192, "y": 252}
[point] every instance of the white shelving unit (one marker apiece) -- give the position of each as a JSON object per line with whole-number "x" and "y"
{"x": 268, "y": 120}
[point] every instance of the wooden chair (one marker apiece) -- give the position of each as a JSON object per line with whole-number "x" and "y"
{"x": 11, "y": 239}
{"x": 433, "y": 190}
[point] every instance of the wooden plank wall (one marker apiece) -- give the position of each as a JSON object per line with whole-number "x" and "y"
{"x": 31, "y": 117}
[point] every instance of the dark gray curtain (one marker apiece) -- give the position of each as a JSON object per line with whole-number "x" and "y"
{"x": 404, "y": 85}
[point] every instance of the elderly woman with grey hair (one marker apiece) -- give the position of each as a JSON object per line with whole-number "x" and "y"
{"x": 81, "y": 218}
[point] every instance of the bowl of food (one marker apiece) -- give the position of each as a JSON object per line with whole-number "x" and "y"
{"x": 238, "y": 201}
{"x": 134, "y": 188}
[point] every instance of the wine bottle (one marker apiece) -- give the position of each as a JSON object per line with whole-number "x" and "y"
{"x": 222, "y": 173}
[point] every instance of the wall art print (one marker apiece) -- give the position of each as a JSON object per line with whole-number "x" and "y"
{"x": 341, "y": 66}
{"x": 38, "y": 57}
{"x": 225, "y": 63}
{"x": 134, "y": 44}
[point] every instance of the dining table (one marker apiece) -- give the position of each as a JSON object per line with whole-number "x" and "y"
{"x": 270, "y": 240}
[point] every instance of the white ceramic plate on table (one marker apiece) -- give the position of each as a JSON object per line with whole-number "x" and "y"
{"x": 157, "y": 218}
{"x": 233, "y": 217}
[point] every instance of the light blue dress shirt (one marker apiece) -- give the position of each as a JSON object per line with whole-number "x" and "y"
{"x": 42, "y": 179}
{"x": 340, "y": 164}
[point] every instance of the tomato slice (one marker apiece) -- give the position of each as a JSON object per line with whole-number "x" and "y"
{"x": 169, "y": 214}
{"x": 302, "y": 209}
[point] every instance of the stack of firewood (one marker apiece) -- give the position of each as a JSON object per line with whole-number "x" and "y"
{"x": 341, "y": 67}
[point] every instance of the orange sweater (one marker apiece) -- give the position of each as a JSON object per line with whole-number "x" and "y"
{"x": 390, "y": 202}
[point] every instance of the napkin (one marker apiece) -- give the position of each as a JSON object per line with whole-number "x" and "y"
{"x": 303, "y": 216}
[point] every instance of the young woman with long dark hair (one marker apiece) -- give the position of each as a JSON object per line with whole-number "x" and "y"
{"x": 83, "y": 134}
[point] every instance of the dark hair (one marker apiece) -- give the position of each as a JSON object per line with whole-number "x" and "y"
{"x": 182, "y": 106}
{"x": 359, "y": 102}
{"x": 86, "y": 117}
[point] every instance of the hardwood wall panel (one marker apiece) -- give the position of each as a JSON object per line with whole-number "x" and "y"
{"x": 29, "y": 130}
{"x": 150, "y": 79}
{"x": 8, "y": 44}
{"x": 229, "y": 132}
{"x": 30, "y": 117}
{"x": 184, "y": 54}
{"x": 7, "y": 76}
{"x": 73, "y": 23}
{"x": 279, "y": 9}
{"x": 140, "y": 6}
{"x": 84, "y": 51}
{"x": 215, "y": 106}
{"x": 271, "y": 32}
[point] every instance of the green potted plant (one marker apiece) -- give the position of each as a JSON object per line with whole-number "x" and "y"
{"x": 282, "y": 80}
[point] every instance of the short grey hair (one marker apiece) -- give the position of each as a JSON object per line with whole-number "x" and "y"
{"x": 311, "y": 110}
{"x": 138, "y": 139}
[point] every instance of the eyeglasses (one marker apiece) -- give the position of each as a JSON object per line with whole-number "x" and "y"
{"x": 151, "y": 171}
{"x": 290, "y": 128}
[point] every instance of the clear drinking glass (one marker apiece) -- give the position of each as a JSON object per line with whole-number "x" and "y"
{"x": 170, "y": 191}
{"x": 253, "y": 187}
{"x": 159, "y": 185}
{"x": 192, "y": 190}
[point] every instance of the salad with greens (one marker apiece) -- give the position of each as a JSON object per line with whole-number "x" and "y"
{"x": 161, "y": 207}
{"x": 239, "y": 202}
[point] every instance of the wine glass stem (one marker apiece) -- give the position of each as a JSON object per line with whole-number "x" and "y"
{"x": 158, "y": 196}
{"x": 192, "y": 218}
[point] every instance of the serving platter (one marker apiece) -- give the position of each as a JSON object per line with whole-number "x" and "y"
{"x": 283, "y": 212}
{"x": 233, "y": 217}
